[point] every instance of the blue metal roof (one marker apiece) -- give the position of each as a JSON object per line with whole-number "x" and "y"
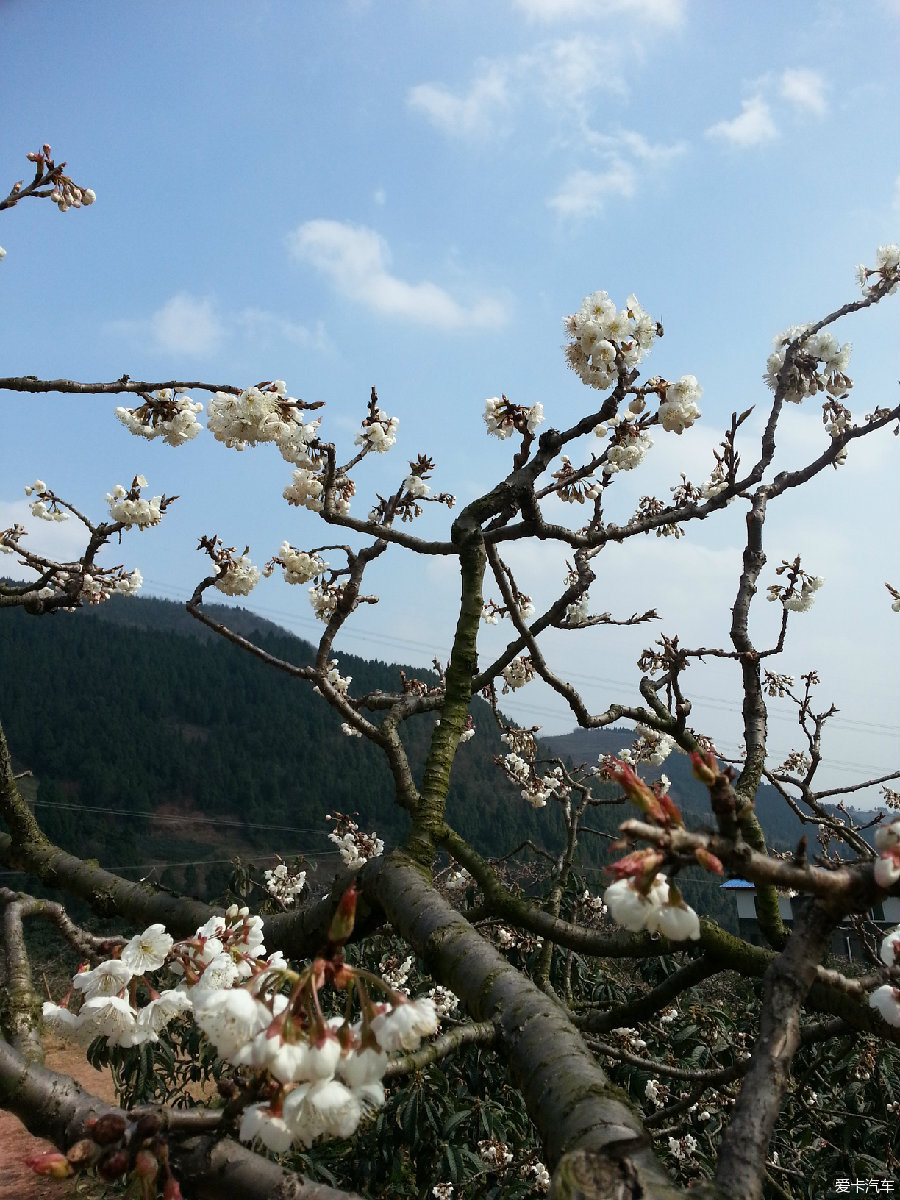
{"x": 738, "y": 883}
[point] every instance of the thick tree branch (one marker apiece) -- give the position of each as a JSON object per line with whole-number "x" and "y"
{"x": 787, "y": 982}
{"x": 582, "y": 1119}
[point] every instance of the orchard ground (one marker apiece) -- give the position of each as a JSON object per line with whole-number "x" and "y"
{"x": 19, "y": 1182}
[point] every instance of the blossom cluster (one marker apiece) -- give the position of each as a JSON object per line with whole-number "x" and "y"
{"x": 131, "y": 508}
{"x": 72, "y": 581}
{"x": 97, "y": 587}
{"x": 283, "y": 884}
{"x": 886, "y": 272}
{"x": 299, "y": 567}
{"x": 517, "y": 673}
{"x": 263, "y": 414}
{"x": 887, "y": 864}
{"x": 492, "y": 611}
{"x": 605, "y": 340}
{"x": 339, "y": 682}
{"x": 504, "y": 418}
{"x": 683, "y": 1147}
{"x": 659, "y": 909}
{"x": 579, "y": 613}
{"x": 591, "y": 906}
{"x": 355, "y": 846}
{"x": 305, "y": 491}
{"x": 797, "y": 601}
{"x": 574, "y": 487}
{"x": 818, "y": 364}
{"x": 679, "y": 409}
{"x": 650, "y": 746}
{"x": 172, "y": 417}
{"x": 536, "y": 789}
{"x": 324, "y": 599}
{"x": 628, "y": 451}
{"x": 44, "y": 505}
{"x": 325, "y": 1074}
{"x": 379, "y": 432}
{"x": 238, "y": 576}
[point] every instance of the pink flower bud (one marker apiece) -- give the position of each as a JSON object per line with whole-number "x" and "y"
{"x": 50, "y": 1162}
{"x": 708, "y": 861}
{"x": 171, "y": 1190}
{"x": 342, "y": 922}
{"x": 705, "y": 767}
{"x": 639, "y": 793}
{"x": 146, "y": 1165}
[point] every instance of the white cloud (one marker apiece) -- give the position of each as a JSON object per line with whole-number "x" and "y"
{"x": 355, "y": 260}
{"x": 584, "y": 193}
{"x": 472, "y": 112}
{"x": 265, "y": 327}
{"x": 186, "y": 324}
{"x": 561, "y": 73}
{"x": 60, "y": 541}
{"x": 192, "y": 327}
{"x": 661, "y": 12}
{"x": 630, "y": 142}
{"x": 570, "y": 68}
{"x": 752, "y": 127}
{"x": 805, "y": 89}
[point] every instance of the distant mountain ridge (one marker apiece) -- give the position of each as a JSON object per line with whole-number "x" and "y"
{"x": 783, "y": 828}
{"x": 153, "y": 741}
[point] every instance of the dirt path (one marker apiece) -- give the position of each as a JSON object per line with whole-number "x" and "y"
{"x": 18, "y": 1182}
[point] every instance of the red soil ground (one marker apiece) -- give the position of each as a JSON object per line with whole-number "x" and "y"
{"x": 18, "y": 1182}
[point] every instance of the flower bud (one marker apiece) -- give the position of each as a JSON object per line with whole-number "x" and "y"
{"x": 342, "y": 922}
{"x": 50, "y": 1162}
{"x": 704, "y": 766}
{"x": 171, "y": 1190}
{"x": 113, "y": 1165}
{"x": 708, "y": 861}
{"x": 84, "y": 1153}
{"x": 107, "y": 1129}
{"x": 146, "y": 1165}
{"x": 146, "y": 1127}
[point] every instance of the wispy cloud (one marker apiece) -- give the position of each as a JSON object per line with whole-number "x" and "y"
{"x": 584, "y": 193}
{"x": 627, "y": 157}
{"x": 805, "y": 89}
{"x": 189, "y": 326}
{"x": 753, "y": 126}
{"x": 628, "y": 142}
{"x": 557, "y": 74}
{"x": 265, "y": 328}
{"x": 471, "y": 112}
{"x": 662, "y": 12}
{"x": 567, "y": 70}
{"x": 356, "y": 261}
{"x": 186, "y": 325}
{"x": 60, "y": 541}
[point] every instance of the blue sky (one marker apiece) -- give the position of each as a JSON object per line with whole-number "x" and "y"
{"x": 413, "y": 194}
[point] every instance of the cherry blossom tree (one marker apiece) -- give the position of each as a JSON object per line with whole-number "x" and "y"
{"x": 306, "y": 1038}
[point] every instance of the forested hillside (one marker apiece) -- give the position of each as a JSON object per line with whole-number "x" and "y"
{"x": 134, "y": 708}
{"x": 165, "y": 748}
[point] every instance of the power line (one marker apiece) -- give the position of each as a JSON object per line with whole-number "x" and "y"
{"x": 174, "y": 819}
{"x": 367, "y": 634}
{"x": 199, "y": 862}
